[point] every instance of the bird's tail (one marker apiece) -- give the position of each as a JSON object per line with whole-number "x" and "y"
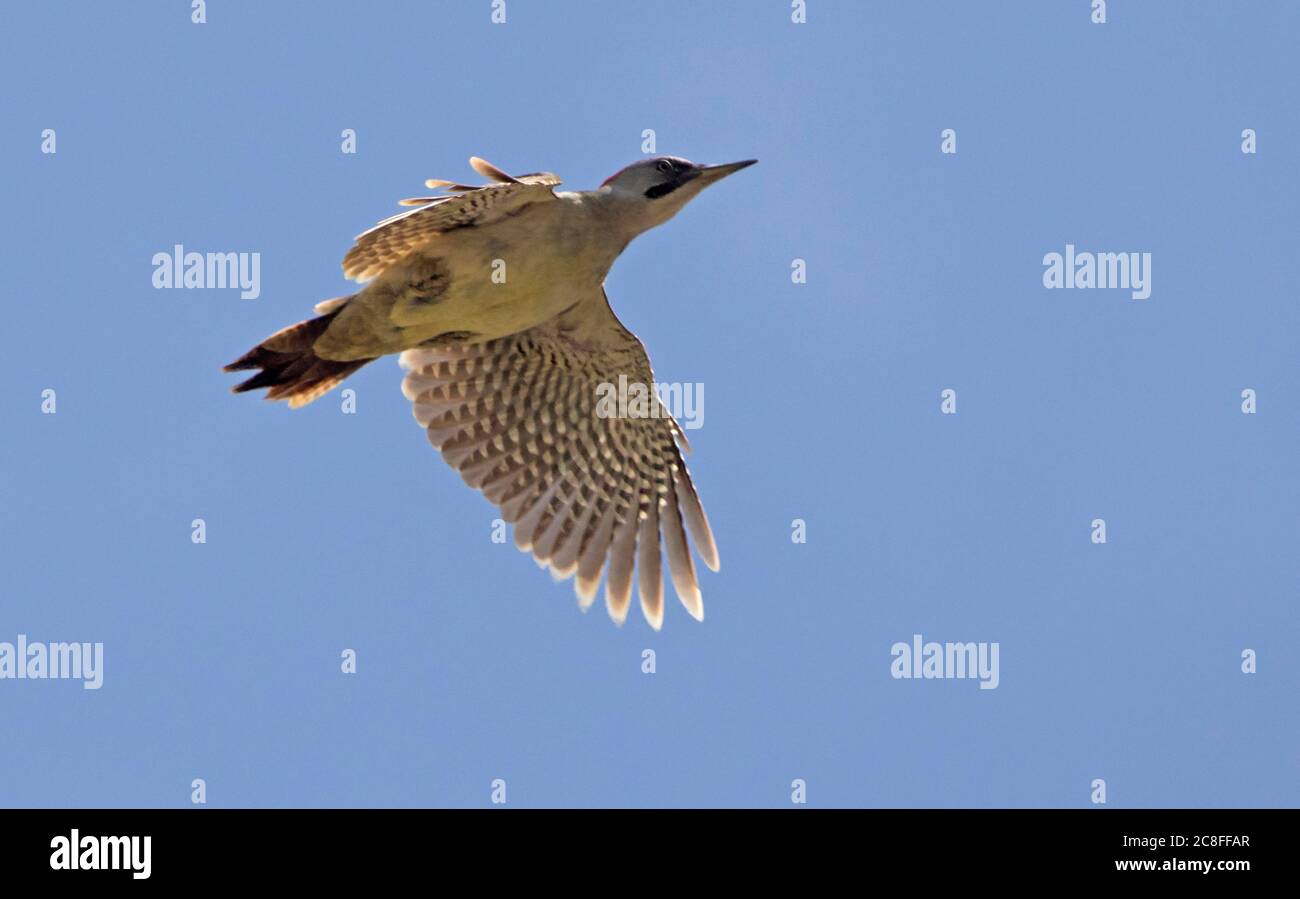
{"x": 289, "y": 365}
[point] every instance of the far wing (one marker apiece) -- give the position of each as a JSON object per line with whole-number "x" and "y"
{"x": 396, "y": 237}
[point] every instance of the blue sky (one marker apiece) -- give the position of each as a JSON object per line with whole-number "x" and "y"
{"x": 328, "y": 531}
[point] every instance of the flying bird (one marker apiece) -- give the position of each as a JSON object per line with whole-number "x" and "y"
{"x": 494, "y": 297}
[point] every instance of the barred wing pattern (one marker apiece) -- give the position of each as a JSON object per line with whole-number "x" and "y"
{"x": 517, "y": 418}
{"x": 396, "y": 237}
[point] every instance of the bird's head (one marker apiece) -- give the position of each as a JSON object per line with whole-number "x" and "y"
{"x": 652, "y": 191}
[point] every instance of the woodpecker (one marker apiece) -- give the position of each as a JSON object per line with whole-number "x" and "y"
{"x": 494, "y": 297}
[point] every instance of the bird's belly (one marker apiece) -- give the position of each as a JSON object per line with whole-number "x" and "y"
{"x": 502, "y": 283}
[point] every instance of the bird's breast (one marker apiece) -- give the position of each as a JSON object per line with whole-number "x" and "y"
{"x": 512, "y": 275}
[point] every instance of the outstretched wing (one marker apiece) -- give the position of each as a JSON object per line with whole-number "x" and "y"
{"x": 396, "y": 237}
{"x": 522, "y": 420}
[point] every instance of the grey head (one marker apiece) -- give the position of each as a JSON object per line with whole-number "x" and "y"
{"x": 651, "y": 191}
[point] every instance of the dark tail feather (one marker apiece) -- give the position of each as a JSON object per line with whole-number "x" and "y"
{"x": 289, "y": 366}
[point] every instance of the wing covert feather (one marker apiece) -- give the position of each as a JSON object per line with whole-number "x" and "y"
{"x": 398, "y": 236}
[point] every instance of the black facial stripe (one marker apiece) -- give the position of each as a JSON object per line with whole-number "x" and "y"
{"x": 662, "y": 190}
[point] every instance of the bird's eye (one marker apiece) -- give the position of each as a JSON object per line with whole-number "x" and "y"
{"x": 665, "y": 166}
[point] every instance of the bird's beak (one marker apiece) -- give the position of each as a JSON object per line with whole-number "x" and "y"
{"x": 712, "y": 173}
